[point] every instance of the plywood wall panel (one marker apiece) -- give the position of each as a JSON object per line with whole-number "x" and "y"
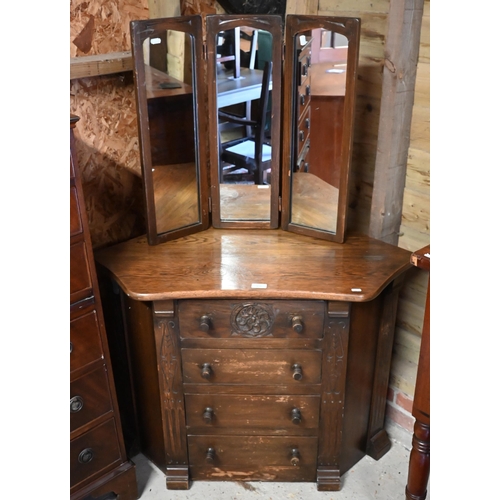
{"x": 106, "y": 135}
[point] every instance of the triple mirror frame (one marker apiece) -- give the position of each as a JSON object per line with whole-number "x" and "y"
{"x": 240, "y": 130}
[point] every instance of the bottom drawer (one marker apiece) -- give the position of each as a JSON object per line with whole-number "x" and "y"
{"x": 93, "y": 451}
{"x": 250, "y": 458}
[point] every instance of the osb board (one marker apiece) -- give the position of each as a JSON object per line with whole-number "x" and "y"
{"x": 108, "y": 156}
{"x": 99, "y": 27}
{"x": 106, "y": 135}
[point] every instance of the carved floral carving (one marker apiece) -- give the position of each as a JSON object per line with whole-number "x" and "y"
{"x": 252, "y": 320}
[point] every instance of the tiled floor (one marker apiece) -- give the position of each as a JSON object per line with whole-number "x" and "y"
{"x": 367, "y": 480}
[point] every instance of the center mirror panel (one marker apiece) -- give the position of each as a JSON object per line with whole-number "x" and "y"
{"x": 166, "y": 67}
{"x": 320, "y": 72}
{"x": 244, "y": 55}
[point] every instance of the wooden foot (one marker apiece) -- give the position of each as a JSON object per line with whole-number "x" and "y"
{"x": 178, "y": 478}
{"x": 379, "y": 445}
{"x": 419, "y": 467}
{"x": 328, "y": 478}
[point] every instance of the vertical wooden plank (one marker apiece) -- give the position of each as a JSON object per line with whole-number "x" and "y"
{"x": 398, "y": 86}
{"x": 164, "y": 8}
{"x": 333, "y": 395}
{"x": 309, "y": 7}
{"x": 171, "y": 392}
{"x": 378, "y": 440}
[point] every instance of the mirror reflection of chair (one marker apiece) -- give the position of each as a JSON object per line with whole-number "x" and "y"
{"x": 248, "y": 157}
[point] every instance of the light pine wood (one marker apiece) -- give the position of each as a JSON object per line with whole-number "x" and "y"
{"x": 101, "y": 64}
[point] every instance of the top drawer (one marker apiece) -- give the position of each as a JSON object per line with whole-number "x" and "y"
{"x": 251, "y": 318}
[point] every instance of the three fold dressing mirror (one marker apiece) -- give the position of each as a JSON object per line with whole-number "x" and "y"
{"x": 238, "y": 130}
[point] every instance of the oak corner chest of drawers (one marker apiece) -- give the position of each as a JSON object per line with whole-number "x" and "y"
{"x": 98, "y": 463}
{"x": 258, "y": 354}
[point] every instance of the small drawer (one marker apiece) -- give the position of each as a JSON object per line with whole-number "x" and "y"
{"x": 74, "y": 212}
{"x": 89, "y": 398}
{"x": 94, "y": 451}
{"x": 276, "y": 458}
{"x": 251, "y": 319}
{"x": 80, "y": 278}
{"x": 303, "y": 129}
{"x": 302, "y": 163}
{"x": 303, "y": 98}
{"x": 85, "y": 340}
{"x": 251, "y": 366}
{"x": 252, "y": 414}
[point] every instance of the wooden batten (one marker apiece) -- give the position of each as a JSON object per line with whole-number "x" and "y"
{"x": 107, "y": 64}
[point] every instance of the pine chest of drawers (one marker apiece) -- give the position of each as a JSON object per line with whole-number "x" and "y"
{"x": 250, "y": 368}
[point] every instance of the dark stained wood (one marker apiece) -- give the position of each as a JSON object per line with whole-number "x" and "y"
{"x": 378, "y": 440}
{"x": 95, "y": 425}
{"x": 264, "y": 458}
{"x": 419, "y": 465}
{"x": 212, "y": 319}
{"x": 226, "y": 263}
{"x": 334, "y": 366}
{"x": 293, "y": 96}
{"x": 170, "y": 121}
{"x": 326, "y": 138}
{"x": 170, "y": 376}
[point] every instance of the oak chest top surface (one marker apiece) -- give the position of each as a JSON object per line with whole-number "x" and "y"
{"x": 254, "y": 263}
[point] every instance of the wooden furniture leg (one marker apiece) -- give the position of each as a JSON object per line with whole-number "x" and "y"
{"x": 418, "y": 472}
{"x": 419, "y": 466}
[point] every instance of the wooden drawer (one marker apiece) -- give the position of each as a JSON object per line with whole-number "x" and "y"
{"x": 302, "y": 163}
{"x": 94, "y": 451}
{"x": 303, "y": 130}
{"x": 89, "y": 398}
{"x": 251, "y": 366}
{"x": 85, "y": 340}
{"x": 273, "y": 318}
{"x": 270, "y": 458}
{"x": 303, "y": 97}
{"x": 80, "y": 278}
{"x": 74, "y": 211}
{"x": 252, "y": 414}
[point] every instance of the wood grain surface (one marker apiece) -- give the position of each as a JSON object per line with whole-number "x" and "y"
{"x": 254, "y": 263}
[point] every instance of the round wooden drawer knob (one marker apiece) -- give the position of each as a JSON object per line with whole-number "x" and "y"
{"x": 206, "y": 371}
{"x": 296, "y": 416}
{"x": 205, "y": 323}
{"x": 210, "y": 456}
{"x": 297, "y": 324}
{"x": 297, "y": 372}
{"x": 208, "y": 415}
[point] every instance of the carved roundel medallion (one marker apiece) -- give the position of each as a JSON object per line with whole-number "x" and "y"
{"x": 252, "y": 320}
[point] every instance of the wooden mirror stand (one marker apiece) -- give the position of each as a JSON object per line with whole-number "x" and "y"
{"x": 219, "y": 148}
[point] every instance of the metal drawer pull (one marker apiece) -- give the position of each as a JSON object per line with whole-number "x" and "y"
{"x": 295, "y": 457}
{"x": 296, "y": 416}
{"x": 297, "y": 372}
{"x": 210, "y": 456}
{"x": 206, "y": 371}
{"x": 75, "y": 404}
{"x": 297, "y": 324}
{"x": 205, "y": 323}
{"x": 208, "y": 415}
{"x": 86, "y": 456}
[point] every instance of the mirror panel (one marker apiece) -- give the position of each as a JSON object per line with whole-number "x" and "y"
{"x": 244, "y": 66}
{"x": 321, "y": 70}
{"x": 172, "y": 156}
